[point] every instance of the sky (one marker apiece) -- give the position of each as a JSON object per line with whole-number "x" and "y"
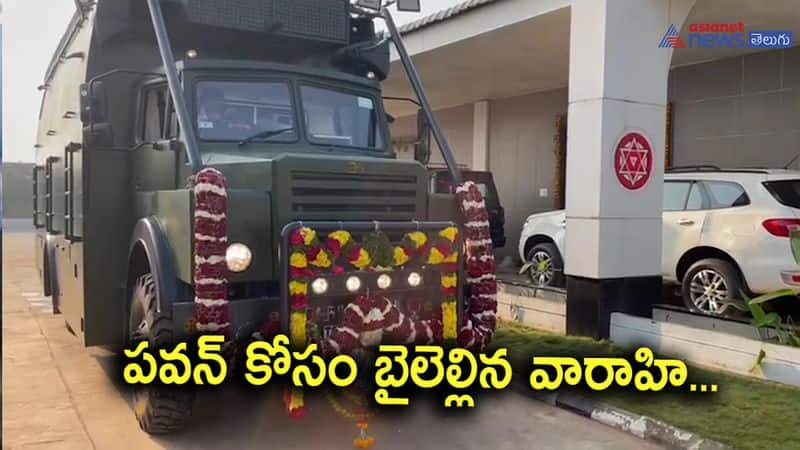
{"x": 31, "y": 32}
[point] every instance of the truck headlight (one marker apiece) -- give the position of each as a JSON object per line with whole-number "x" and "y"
{"x": 319, "y": 286}
{"x": 414, "y": 279}
{"x": 353, "y": 284}
{"x": 384, "y": 282}
{"x": 238, "y": 257}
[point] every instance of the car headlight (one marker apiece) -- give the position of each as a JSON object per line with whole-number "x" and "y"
{"x": 319, "y": 286}
{"x": 414, "y": 279}
{"x": 353, "y": 284}
{"x": 238, "y": 257}
{"x": 384, "y": 282}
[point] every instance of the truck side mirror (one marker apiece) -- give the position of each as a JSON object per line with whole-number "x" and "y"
{"x": 408, "y": 5}
{"x": 422, "y": 148}
{"x": 93, "y": 103}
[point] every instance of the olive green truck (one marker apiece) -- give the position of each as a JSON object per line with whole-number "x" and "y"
{"x": 282, "y": 96}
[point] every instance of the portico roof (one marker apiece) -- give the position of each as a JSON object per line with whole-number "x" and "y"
{"x": 489, "y": 49}
{"x": 444, "y": 14}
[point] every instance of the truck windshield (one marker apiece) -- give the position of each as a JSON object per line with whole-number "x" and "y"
{"x": 340, "y": 118}
{"x": 237, "y": 111}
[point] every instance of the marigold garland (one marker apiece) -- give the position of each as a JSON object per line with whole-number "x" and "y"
{"x": 369, "y": 320}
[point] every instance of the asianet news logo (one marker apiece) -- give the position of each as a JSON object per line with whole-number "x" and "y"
{"x": 725, "y": 35}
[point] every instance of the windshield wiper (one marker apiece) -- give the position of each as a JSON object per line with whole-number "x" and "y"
{"x": 264, "y": 135}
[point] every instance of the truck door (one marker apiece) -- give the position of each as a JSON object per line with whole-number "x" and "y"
{"x": 154, "y": 157}
{"x": 683, "y": 223}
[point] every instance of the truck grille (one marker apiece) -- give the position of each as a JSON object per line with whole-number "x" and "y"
{"x": 339, "y": 196}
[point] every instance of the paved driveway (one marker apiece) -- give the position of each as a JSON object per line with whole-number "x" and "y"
{"x": 59, "y": 395}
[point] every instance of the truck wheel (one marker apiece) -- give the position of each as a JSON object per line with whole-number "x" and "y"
{"x": 159, "y": 409}
{"x": 710, "y": 285}
{"x": 546, "y": 266}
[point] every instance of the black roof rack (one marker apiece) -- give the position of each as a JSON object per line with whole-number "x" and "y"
{"x": 713, "y": 168}
{"x": 699, "y": 168}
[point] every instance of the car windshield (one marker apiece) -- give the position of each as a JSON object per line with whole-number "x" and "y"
{"x": 340, "y": 118}
{"x": 245, "y": 111}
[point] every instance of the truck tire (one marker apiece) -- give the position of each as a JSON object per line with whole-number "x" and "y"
{"x": 709, "y": 285}
{"x": 158, "y": 409}
{"x": 547, "y": 266}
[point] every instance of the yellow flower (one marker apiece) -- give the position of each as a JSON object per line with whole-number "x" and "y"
{"x": 298, "y": 260}
{"x": 296, "y": 399}
{"x": 298, "y": 329}
{"x": 449, "y": 233}
{"x": 400, "y": 256}
{"x": 322, "y": 260}
{"x": 453, "y": 258}
{"x": 298, "y": 288}
{"x": 449, "y": 322}
{"x": 449, "y": 281}
{"x": 343, "y": 237}
{"x": 418, "y": 237}
{"x": 308, "y": 235}
{"x": 363, "y": 260}
{"x": 436, "y": 257}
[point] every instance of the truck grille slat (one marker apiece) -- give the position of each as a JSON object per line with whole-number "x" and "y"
{"x": 325, "y": 196}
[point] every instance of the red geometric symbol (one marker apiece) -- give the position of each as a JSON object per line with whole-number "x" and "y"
{"x": 633, "y": 161}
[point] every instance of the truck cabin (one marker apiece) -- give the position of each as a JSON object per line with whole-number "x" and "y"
{"x": 262, "y": 85}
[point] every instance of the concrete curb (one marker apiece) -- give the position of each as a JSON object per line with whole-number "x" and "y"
{"x": 642, "y": 427}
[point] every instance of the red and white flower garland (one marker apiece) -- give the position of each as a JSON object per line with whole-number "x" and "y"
{"x": 210, "y": 244}
{"x": 480, "y": 316}
{"x": 370, "y": 319}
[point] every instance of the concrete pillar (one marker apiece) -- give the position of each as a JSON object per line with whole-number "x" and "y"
{"x": 617, "y": 86}
{"x": 480, "y": 136}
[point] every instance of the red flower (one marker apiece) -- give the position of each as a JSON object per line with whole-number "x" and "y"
{"x": 443, "y": 248}
{"x": 334, "y": 246}
{"x": 295, "y": 273}
{"x": 337, "y": 270}
{"x": 354, "y": 253}
{"x": 448, "y": 267}
{"x": 312, "y": 253}
{"x": 296, "y": 238}
{"x": 299, "y": 302}
{"x": 449, "y": 292}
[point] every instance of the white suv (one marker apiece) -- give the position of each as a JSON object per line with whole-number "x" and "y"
{"x": 724, "y": 231}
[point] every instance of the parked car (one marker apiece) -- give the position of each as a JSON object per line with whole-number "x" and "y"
{"x": 442, "y": 183}
{"x": 725, "y": 231}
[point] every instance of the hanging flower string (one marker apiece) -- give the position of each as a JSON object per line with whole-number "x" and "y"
{"x": 444, "y": 254}
{"x": 210, "y": 242}
{"x": 480, "y": 314}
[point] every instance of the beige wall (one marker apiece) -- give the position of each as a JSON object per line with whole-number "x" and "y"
{"x": 521, "y": 156}
{"x": 521, "y": 131}
{"x": 457, "y": 126}
{"x": 738, "y": 112}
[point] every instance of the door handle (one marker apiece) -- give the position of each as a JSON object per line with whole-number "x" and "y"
{"x": 686, "y": 222}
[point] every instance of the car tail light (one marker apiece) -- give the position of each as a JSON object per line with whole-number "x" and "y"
{"x": 791, "y": 278}
{"x": 781, "y": 227}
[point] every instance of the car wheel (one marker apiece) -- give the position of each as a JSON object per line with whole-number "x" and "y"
{"x": 158, "y": 409}
{"x": 710, "y": 286}
{"x": 546, "y": 266}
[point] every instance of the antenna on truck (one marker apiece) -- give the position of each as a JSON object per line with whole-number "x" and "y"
{"x": 380, "y": 9}
{"x": 175, "y": 89}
